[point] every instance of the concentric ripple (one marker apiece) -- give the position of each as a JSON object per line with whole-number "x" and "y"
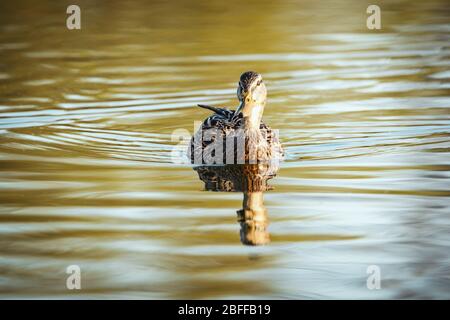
{"x": 89, "y": 123}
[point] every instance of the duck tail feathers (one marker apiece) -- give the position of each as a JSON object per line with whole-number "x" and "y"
{"x": 214, "y": 109}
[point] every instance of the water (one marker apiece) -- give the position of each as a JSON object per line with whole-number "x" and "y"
{"x": 87, "y": 177}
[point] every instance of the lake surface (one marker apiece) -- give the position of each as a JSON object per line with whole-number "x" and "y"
{"x": 87, "y": 172}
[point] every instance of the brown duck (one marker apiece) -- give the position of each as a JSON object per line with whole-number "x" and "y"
{"x": 253, "y": 141}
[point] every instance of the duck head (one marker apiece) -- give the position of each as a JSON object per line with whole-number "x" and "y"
{"x": 252, "y": 95}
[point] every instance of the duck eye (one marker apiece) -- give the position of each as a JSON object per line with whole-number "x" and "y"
{"x": 259, "y": 82}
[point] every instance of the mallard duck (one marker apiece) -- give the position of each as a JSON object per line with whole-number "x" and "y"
{"x": 252, "y": 141}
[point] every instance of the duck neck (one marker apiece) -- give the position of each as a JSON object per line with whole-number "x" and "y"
{"x": 252, "y": 114}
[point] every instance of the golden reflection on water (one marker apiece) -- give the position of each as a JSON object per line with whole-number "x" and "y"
{"x": 86, "y": 170}
{"x": 252, "y": 181}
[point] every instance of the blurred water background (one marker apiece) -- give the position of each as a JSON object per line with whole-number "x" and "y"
{"x": 86, "y": 176}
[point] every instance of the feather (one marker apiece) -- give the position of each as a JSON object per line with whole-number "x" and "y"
{"x": 220, "y": 111}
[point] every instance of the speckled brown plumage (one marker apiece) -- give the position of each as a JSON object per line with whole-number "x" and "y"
{"x": 251, "y": 139}
{"x": 265, "y": 142}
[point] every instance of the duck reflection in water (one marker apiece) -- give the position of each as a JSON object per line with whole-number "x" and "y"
{"x": 252, "y": 181}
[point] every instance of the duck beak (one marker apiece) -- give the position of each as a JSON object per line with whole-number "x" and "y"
{"x": 240, "y": 107}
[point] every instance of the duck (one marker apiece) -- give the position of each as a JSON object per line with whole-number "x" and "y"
{"x": 237, "y": 136}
